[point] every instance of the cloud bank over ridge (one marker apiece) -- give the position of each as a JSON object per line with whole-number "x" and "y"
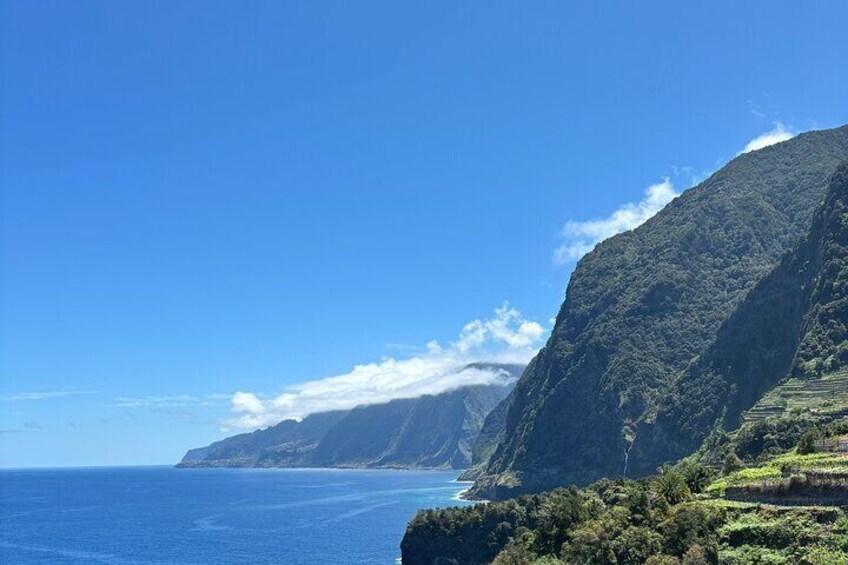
{"x": 581, "y": 237}
{"x": 506, "y": 337}
{"x": 776, "y": 135}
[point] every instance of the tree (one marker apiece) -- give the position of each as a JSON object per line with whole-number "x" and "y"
{"x": 732, "y": 463}
{"x": 689, "y": 525}
{"x": 697, "y": 476}
{"x": 662, "y": 560}
{"x": 670, "y": 485}
{"x": 556, "y": 515}
{"x": 635, "y": 544}
{"x": 807, "y": 442}
{"x": 695, "y": 555}
{"x": 514, "y": 554}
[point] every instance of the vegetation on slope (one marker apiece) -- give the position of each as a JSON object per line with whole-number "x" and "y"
{"x": 792, "y": 326}
{"x": 641, "y": 307}
{"x": 681, "y": 515}
{"x": 771, "y": 490}
{"x": 491, "y": 434}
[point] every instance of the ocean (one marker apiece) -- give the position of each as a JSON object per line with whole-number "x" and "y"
{"x": 161, "y": 515}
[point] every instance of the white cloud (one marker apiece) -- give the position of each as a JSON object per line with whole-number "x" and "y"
{"x": 507, "y": 337}
{"x": 690, "y": 174}
{"x": 173, "y": 401}
{"x": 506, "y": 327}
{"x": 18, "y": 396}
{"x": 581, "y": 237}
{"x": 776, "y": 135}
{"x": 248, "y": 403}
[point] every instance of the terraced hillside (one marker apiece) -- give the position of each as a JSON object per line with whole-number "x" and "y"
{"x": 825, "y": 398}
{"x": 821, "y": 465}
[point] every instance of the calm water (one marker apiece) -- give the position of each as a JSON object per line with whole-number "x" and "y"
{"x": 159, "y": 515}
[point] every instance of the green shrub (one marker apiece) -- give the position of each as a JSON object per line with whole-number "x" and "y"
{"x": 695, "y": 555}
{"x": 807, "y": 442}
{"x": 662, "y": 560}
{"x": 732, "y": 463}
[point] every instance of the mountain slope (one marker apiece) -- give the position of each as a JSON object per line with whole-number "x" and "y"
{"x": 491, "y": 434}
{"x": 431, "y": 431}
{"x": 642, "y": 306}
{"x": 427, "y": 432}
{"x": 287, "y": 444}
{"x": 793, "y": 324}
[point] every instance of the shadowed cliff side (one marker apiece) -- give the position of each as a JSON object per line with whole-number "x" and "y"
{"x": 793, "y": 324}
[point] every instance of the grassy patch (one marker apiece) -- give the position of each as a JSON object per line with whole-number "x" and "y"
{"x": 773, "y": 469}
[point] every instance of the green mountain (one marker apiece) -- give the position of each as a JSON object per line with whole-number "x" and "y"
{"x": 425, "y": 432}
{"x": 431, "y": 431}
{"x": 647, "y": 306}
{"x": 287, "y": 444}
{"x": 766, "y": 408}
{"x": 791, "y": 329}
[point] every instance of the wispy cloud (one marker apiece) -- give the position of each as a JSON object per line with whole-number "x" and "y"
{"x": 755, "y": 109}
{"x": 42, "y": 395}
{"x": 172, "y": 401}
{"x": 691, "y": 175}
{"x": 776, "y": 135}
{"x": 180, "y": 413}
{"x": 506, "y": 337}
{"x": 582, "y": 236}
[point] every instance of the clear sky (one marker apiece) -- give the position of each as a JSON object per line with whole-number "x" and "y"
{"x": 203, "y": 199}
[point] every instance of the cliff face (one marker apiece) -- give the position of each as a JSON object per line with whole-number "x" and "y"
{"x": 287, "y": 444}
{"x": 491, "y": 434}
{"x": 433, "y": 431}
{"x": 430, "y": 431}
{"x": 642, "y": 306}
{"x": 794, "y": 323}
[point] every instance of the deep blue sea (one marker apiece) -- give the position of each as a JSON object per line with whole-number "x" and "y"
{"x": 160, "y": 515}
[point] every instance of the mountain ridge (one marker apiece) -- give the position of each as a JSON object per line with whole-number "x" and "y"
{"x": 642, "y": 305}
{"x": 430, "y": 431}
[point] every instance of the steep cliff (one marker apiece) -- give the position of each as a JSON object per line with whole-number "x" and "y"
{"x": 642, "y": 307}
{"x": 431, "y": 431}
{"x": 287, "y": 444}
{"x": 428, "y": 432}
{"x": 793, "y": 324}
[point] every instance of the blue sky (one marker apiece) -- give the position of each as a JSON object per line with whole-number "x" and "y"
{"x": 207, "y": 199}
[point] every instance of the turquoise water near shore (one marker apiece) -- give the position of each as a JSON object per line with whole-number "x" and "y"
{"x": 161, "y": 515}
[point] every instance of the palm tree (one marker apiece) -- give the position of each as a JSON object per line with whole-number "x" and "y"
{"x": 670, "y": 485}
